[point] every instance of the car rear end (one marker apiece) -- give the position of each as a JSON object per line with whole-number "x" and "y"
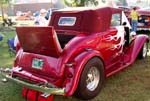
{"x": 37, "y": 64}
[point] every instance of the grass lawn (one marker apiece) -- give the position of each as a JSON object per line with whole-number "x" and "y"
{"x": 5, "y": 59}
{"x": 132, "y": 84}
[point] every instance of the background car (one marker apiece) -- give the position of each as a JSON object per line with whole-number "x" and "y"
{"x": 49, "y": 12}
{"x": 25, "y": 16}
{"x": 144, "y": 19}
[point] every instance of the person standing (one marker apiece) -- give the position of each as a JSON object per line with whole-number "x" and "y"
{"x": 41, "y": 20}
{"x": 134, "y": 19}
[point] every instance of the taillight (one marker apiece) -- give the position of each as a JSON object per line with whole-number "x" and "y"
{"x": 18, "y": 57}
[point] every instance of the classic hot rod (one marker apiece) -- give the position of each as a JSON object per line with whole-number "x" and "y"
{"x": 75, "y": 53}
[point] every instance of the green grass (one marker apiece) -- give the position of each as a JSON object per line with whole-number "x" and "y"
{"x": 132, "y": 84}
{"x": 5, "y": 59}
{"x": 8, "y": 91}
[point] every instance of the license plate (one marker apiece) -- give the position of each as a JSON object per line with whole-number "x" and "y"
{"x": 37, "y": 63}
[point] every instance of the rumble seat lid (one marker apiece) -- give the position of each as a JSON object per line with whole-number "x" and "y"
{"x": 40, "y": 40}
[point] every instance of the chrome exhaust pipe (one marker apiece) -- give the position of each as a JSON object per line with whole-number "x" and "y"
{"x": 6, "y": 70}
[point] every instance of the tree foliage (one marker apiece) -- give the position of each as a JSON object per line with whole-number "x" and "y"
{"x": 80, "y": 3}
{"x": 121, "y": 2}
{"x": 3, "y": 4}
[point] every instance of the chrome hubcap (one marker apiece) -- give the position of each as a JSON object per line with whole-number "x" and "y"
{"x": 145, "y": 50}
{"x": 93, "y": 77}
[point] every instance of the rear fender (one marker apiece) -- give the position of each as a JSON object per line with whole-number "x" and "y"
{"x": 136, "y": 46}
{"x": 76, "y": 70}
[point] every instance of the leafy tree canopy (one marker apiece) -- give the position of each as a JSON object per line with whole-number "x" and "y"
{"x": 3, "y": 4}
{"x": 80, "y": 3}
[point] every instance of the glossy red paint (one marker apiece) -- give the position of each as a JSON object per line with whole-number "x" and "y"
{"x": 44, "y": 35}
{"x": 144, "y": 21}
{"x": 63, "y": 60}
{"x": 91, "y": 18}
{"x": 33, "y": 95}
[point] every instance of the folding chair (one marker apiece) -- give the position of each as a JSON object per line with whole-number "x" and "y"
{"x": 1, "y": 37}
{"x": 12, "y": 48}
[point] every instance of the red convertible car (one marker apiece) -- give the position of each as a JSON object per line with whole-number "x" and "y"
{"x": 74, "y": 55}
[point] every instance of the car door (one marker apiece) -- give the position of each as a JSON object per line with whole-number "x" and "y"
{"x": 112, "y": 41}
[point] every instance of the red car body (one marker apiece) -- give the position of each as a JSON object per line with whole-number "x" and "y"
{"x": 53, "y": 59}
{"x": 144, "y": 21}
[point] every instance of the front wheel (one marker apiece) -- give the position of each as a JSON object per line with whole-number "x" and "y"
{"x": 143, "y": 52}
{"x": 91, "y": 79}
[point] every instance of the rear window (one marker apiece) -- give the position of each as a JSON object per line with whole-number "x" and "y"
{"x": 67, "y": 21}
{"x": 116, "y": 19}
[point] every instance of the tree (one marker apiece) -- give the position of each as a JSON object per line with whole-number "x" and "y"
{"x": 80, "y": 3}
{"x": 3, "y": 4}
{"x": 122, "y": 2}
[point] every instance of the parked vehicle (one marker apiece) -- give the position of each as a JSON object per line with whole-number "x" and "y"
{"x": 24, "y": 16}
{"x": 144, "y": 19}
{"x": 74, "y": 55}
{"x": 49, "y": 13}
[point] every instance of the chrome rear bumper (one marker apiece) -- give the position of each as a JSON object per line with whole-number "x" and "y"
{"x": 40, "y": 88}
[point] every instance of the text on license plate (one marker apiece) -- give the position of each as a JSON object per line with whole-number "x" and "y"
{"x": 37, "y": 63}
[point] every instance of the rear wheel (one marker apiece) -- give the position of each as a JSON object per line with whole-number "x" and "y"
{"x": 91, "y": 79}
{"x": 143, "y": 51}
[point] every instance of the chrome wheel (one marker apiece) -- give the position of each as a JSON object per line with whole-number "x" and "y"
{"x": 93, "y": 78}
{"x": 145, "y": 50}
